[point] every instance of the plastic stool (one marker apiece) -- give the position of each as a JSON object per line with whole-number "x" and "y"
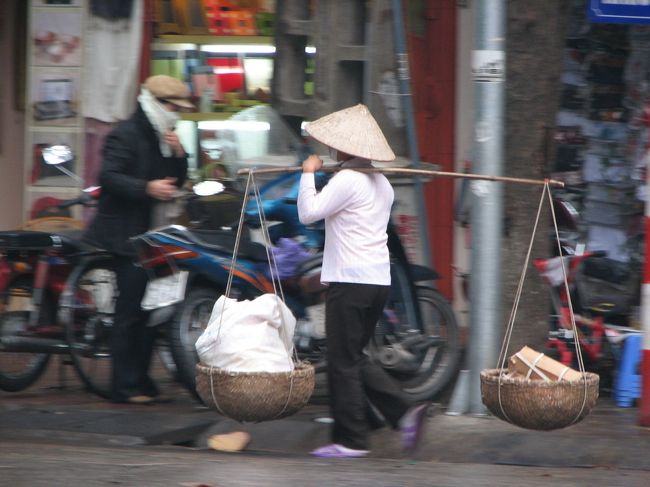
{"x": 627, "y": 384}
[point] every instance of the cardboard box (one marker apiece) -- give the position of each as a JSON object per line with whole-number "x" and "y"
{"x": 535, "y": 365}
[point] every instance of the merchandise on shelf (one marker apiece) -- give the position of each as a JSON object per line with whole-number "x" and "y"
{"x": 602, "y": 127}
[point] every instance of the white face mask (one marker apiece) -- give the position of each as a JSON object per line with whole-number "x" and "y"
{"x": 171, "y": 118}
{"x": 161, "y": 119}
{"x": 333, "y": 153}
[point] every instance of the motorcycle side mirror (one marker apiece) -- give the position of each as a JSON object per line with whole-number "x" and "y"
{"x": 57, "y": 155}
{"x": 208, "y": 188}
{"x": 93, "y": 192}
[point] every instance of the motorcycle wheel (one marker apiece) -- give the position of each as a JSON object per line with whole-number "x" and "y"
{"x": 19, "y": 370}
{"x": 189, "y": 322}
{"x": 424, "y": 360}
{"x": 87, "y": 310}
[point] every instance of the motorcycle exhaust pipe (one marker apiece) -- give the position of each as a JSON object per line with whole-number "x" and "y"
{"x": 33, "y": 345}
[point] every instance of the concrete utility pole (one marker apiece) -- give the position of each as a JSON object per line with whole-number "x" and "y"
{"x": 488, "y": 71}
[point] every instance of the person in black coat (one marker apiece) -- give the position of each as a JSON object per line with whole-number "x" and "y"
{"x": 143, "y": 163}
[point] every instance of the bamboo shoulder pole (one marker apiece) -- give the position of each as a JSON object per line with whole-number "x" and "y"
{"x": 410, "y": 172}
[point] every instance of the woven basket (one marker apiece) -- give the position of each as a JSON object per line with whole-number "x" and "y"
{"x": 255, "y": 396}
{"x": 537, "y": 404}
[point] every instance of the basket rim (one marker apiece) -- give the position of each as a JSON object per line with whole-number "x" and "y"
{"x": 492, "y": 376}
{"x": 300, "y": 368}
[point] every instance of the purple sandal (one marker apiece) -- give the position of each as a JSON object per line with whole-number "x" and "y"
{"x": 334, "y": 450}
{"x": 411, "y": 427}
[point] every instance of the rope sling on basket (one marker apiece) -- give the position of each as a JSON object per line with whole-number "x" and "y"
{"x": 256, "y": 396}
{"x": 538, "y": 404}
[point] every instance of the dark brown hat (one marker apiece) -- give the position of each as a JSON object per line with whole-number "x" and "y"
{"x": 169, "y": 89}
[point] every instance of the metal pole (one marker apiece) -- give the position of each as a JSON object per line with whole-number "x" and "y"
{"x": 488, "y": 71}
{"x": 404, "y": 81}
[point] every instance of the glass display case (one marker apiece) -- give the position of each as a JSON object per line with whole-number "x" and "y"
{"x": 225, "y": 75}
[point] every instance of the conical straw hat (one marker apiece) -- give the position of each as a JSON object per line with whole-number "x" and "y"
{"x": 354, "y": 131}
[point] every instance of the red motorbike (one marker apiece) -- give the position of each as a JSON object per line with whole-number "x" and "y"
{"x": 56, "y": 297}
{"x": 601, "y": 292}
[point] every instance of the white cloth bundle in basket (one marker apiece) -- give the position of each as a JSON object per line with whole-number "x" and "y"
{"x": 249, "y": 336}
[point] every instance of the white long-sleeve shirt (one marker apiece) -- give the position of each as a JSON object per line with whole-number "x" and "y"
{"x": 356, "y": 209}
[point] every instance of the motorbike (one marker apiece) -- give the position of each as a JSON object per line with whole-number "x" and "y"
{"x": 417, "y": 339}
{"x": 56, "y": 294}
{"x": 601, "y": 292}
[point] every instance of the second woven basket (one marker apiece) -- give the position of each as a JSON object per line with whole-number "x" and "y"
{"x": 538, "y": 404}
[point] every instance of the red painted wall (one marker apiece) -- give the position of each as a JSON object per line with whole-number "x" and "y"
{"x": 148, "y": 21}
{"x": 12, "y": 119}
{"x": 432, "y": 59}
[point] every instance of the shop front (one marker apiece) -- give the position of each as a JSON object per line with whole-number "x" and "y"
{"x": 83, "y": 62}
{"x": 602, "y": 140}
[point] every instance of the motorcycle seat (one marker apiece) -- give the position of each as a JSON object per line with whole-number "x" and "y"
{"x": 222, "y": 241}
{"x": 606, "y": 269}
{"x": 72, "y": 242}
{"x": 69, "y": 240}
{"x": 25, "y": 240}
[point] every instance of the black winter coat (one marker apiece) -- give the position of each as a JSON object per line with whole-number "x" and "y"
{"x": 131, "y": 158}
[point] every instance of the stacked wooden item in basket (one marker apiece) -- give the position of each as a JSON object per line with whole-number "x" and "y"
{"x": 530, "y": 364}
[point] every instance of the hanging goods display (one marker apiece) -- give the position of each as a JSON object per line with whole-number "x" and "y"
{"x": 260, "y": 395}
{"x": 539, "y": 401}
{"x": 540, "y": 407}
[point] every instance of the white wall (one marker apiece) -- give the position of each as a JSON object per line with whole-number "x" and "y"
{"x": 12, "y": 127}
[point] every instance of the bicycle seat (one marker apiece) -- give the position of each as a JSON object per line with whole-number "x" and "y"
{"x": 220, "y": 241}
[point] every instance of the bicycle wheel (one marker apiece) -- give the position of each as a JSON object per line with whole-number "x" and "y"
{"x": 87, "y": 310}
{"x": 19, "y": 370}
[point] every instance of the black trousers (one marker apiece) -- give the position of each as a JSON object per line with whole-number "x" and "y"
{"x": 132, "y": 340}
{"x": 351, "y": 314}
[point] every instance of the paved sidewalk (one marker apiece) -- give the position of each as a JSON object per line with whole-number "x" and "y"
{"x": 52, "y": 465}
{"x": 608, "y": 437}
